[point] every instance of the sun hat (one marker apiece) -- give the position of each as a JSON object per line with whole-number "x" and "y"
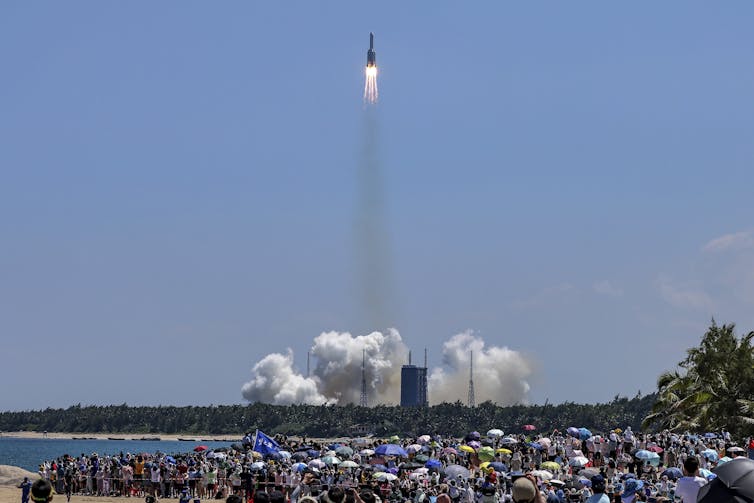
{"x": 631, "y": 486}
{"x": 524, "y": 490}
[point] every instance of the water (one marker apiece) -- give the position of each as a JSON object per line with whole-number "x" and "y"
{"x": 28, "y": 453}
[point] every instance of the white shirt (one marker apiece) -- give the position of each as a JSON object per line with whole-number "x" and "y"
{"x": 688, "y": 488}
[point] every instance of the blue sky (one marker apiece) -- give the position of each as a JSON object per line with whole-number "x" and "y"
{"x": 179, "y": 187}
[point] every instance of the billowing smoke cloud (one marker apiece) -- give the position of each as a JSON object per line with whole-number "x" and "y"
{"x": 499, "y": 373}
{"x": 275, "y": 381}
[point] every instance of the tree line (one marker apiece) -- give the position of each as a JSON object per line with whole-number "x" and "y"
{"x": 328, "y": 421}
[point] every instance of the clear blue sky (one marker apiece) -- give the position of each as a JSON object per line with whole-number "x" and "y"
{"x": 179, "y": 189}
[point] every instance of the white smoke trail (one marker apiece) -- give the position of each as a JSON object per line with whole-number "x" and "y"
{"x": 370, "y": 86}
{"x": 500, "y": 373}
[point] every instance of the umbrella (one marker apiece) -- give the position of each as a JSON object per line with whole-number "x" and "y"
{"x": 366, "y": 452}
{"x": 673, "y": 473}
{"x": 299, "y": 456}
{"x": 529, "y": 427}
{"x": 466, "y": 448}
{"x": 589, "y": 472}
{"x": 421, "y": 458}
{"x": 655, "y": 448}
{"x": 536, "y": 445}
{"x": 348, "y": 464}
{"x": 344, "y": 451}
{"x": 258, "y": 465}
{"x": 710, "y": 454}
{"x": 736, "y": 448}
{"x": 200, "y": 448}
{"x": 379, "y": 468}
{"x": 585, "y": 482}
{"x": 645, "y": 455}
{"x": 474, "y": 435}
{"x": 542, "y": 474}
{"x": 449, "y": 450}
{"x": 557, "y": 482}
{"x": 391, "y": 450}
{"x": 299, "y": 467}
{"x": 474, "y": 444}
{"x": 413, "y": 448}
{"x": 546, "y": 442}
{"x": 550, "y": 465}
{"x": 509, "y": 441}
{"x": 285, "y": 454}
{"x": 578, "y": 461}
{"x": 316, "y": 463}
{"x": 454, "y": 471}
{"x": 503, "y": 450}
{"x": 498, "y": 466}
{"x": 385, "y": 476}
{"x": 486, "y": 454}
{"x": 313, "y": 453}
{"x": 707, "y": 474}
{"x": 331, "y": 460}
{"x": 423, "y": 439}
{"x": 573, "y": 431}
{"x": 734, "y": 483}
{"x": 433, "y": 463}
{"x": 710, "y": 435}
{"x": 584, "y": 433}
{"x": 170, "y": 459}
{"x": 495, "y": 433}
{"x": 723, "y": 460}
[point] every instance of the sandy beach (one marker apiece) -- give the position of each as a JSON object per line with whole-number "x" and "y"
{"x": 120, "y": 436}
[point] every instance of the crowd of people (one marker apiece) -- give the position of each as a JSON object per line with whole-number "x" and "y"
{"x": 561, "y": 466}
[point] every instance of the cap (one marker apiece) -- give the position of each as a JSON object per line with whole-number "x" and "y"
{"x": 524, "y": 490}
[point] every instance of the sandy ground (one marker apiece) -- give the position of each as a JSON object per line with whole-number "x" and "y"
{"x": 124, "y": 436}
{"x": 9, "y": 494}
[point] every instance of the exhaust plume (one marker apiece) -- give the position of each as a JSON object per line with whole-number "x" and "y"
{"x": 336, "y": 376}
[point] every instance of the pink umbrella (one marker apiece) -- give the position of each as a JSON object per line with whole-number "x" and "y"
{"x": 655, "y": 448}
{"x": 529, "y": 427}
{"x": 200, "y": 448}
{"x": 449, "y": 450}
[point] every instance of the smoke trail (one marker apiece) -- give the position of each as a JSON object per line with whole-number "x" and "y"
{"x": 500, "y": 373}
{"x": 372, "y": 238}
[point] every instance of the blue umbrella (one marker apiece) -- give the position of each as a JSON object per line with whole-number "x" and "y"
{"x": 170, "y": 459}
{"x": 644, "y": 454}
{"x": 391, "y": 450}
{"x": 299, "y": 467}
{"x": 379, "y": 468}
{"x": 498, "y": 466}
{"x": 584, "y": 433}
{"x": 536, "y": 445}
{"x": 710, "y": 454}
{"x": 709, "y": 434}
{"x": 707, "y": 474}
{"x": 673, "y": 473}
{"x": 313, "y": 453}
{"x": 433, "y": 463}
{"x": 573, "y": 431}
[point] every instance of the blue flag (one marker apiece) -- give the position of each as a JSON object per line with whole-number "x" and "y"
{"x": 264, "y": 444}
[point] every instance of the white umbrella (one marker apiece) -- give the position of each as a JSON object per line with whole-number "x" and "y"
{"x": 578, "y": 461}
{"x": 414, "y": 448}
{"x": 509, "y": 441}
{"x": 348, "y": 464}
{"x": 423, "y": 439}
{"x": 366, "y": 452}
{"x": 542, "y": 474}
{"x": 494, "y": 433}
{"x": 385, "y": 476}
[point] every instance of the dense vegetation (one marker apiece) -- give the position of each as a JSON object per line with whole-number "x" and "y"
{"x": 713, "y": 388}
{"x": 328, "y": 421}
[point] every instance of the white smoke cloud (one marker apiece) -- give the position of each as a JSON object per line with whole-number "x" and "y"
{"x": 500, "y": 373}
{"x": 275, "y": 381}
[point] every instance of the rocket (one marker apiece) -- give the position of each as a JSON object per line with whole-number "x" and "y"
{"x": 371, "y": 55}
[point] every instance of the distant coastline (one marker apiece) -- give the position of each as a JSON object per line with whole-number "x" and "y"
{"x": 118, "y": 436}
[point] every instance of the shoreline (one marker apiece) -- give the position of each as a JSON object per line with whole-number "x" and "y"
{"x": 118, "y": 436}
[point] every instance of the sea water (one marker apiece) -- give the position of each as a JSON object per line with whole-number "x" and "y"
{"x": 29, "y": 453}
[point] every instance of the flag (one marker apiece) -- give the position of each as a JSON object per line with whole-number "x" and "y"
{"x": 264, "y": 444}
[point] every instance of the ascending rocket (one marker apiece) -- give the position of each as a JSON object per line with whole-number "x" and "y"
{"x": 371, "y": 55}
